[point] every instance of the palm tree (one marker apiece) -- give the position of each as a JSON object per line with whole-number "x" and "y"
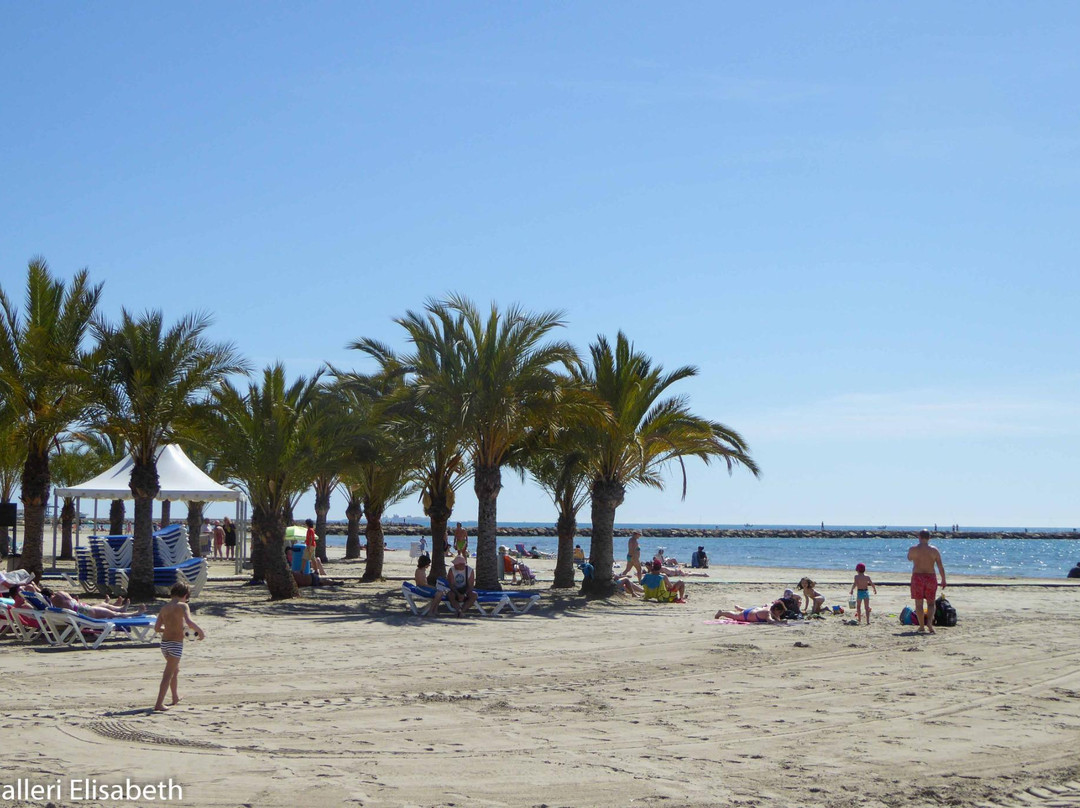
{"x": 428, "y": 425}
{"x": 643, "y": 434}
{"x": 354, "y": 509}
{"x": 43, "y": 379}
{"x": 109, "y": 450}
{"x": 384, "y": 474}
{"x": 12, "y": 458}
{"x": 263, "y": 441}
{"x": 499, "y": 379}
{"x": 562, "y": 474}
{"x": 148, "y": 380}
{"x": 71, "y": 465}
{"x": 340, "y": 439}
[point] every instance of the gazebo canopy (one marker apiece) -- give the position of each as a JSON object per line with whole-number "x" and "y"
{"x": 181, "y": 480}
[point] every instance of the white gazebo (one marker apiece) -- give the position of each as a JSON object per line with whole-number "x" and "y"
{"x": 180, "y": 479}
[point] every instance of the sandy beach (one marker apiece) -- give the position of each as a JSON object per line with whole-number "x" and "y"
{"x": 343, "y": 698}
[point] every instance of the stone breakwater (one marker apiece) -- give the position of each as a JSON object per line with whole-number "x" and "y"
{"x": 734, "y": 533}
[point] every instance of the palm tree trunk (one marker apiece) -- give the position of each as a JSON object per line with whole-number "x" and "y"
{"x": 5, "y": 541}
{"x": 353, "y": 511}
{"x": 566, "y": 528}
{"x": 194, "y": 527}
{"x": 35, "y": 495}
{"x": 487, "y": 482}
{"x": 268, "y": 529}
{"x": 166, "y": 513}
{"x": 116, "y": 517}
{"x": 322, "y": 507}
{"x": 145, "y": 486}
{"x": 607, "y": 495}
{"x": 439, "y": 513}
{"x": 67, "y": 519}
{"x": 373, "y": 569}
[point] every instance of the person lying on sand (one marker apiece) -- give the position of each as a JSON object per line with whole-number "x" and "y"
{"x": 679, "y": 572}
{"x": 773, "y": 613}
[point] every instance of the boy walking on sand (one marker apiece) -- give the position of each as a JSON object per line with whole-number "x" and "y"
{"x": 173, "y": 618}
{"x": 863, "y": 584}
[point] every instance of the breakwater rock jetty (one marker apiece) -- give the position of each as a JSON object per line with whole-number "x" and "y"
{"x": 739, "y": 533}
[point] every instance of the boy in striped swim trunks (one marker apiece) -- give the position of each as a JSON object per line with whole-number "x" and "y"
{"x": 173, "y": 618}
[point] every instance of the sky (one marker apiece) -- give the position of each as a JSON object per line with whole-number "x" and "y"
{"x": 858, "y": 221}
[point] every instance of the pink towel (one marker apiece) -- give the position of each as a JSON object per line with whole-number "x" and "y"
{"x": 725, "y": 621}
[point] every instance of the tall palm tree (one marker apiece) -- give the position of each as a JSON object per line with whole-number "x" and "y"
{"x": 644, "y": 434}
{"x": 43, "y": 379}
{"x": 499, "y": 377}
{"x": 428, "y": 424}
{"x": 12, "y": 458}
{"x": 148, "y": 380}
{"x": 262, "y": 440}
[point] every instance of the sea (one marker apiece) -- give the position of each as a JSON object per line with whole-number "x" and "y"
{"x": 1029, "y": 557}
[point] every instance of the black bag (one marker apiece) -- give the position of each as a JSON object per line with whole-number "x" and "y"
{"x": 944, "y": 613}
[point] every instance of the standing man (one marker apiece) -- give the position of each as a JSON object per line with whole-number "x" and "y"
{"x": 461, "y": 541}
{"x": 633, "y": 555}
{"x": 924, "y": 557}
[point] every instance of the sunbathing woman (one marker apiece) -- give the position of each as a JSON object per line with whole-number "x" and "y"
{"x": 760, "y": 614}
{"x": 100, "y": 611}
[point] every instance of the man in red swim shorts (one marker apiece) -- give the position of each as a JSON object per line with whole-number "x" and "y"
{"x": 924, "y": 557}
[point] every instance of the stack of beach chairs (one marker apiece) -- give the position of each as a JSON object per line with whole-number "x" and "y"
{"x": 105, "y": 566}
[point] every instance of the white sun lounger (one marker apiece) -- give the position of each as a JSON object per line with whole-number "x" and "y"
{"x": 69, "y": 628}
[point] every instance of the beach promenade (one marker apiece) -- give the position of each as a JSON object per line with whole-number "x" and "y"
{"x": 343, "y": 698}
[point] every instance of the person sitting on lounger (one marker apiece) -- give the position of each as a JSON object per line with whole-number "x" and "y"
{"x": 579, "y": 555}
{"x": 460, "y": 592}
{"x": 423, "y": 564}
{"x": 772, "y": 613}
{"x": 656, "y": 581}
{"x": 101, "y": 611}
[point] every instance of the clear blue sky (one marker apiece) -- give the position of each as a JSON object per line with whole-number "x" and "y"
{"x": 858, "y": 220}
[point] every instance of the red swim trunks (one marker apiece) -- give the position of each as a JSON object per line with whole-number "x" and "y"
{"x": 924, "y": 586}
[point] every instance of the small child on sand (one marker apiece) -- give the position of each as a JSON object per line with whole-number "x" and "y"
{"x": 863, "y": 584}
{"x": 173, "y": 618}
{"x": 806, "y": 586}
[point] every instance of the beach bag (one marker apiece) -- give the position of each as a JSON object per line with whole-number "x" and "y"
{"x": 908, "y": 617}
{"x": 944, "y": 613}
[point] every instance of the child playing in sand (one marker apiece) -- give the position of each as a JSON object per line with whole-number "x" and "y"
{"x": 806, "y": 586}
{"x": 773, "y": 613}
{"x": 171, "y": 622}
{"x": 864, "y": 585}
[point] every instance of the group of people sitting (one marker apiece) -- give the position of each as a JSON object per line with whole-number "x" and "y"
{"x": 517, "y": 569}
{"x": 791, "y": 605}
{"x": 460, "y": 588}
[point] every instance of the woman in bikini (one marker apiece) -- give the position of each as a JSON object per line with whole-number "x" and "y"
{"x": 760, "y": 614}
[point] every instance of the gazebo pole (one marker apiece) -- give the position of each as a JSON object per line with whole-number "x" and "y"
{"x": 53, "y": 568}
